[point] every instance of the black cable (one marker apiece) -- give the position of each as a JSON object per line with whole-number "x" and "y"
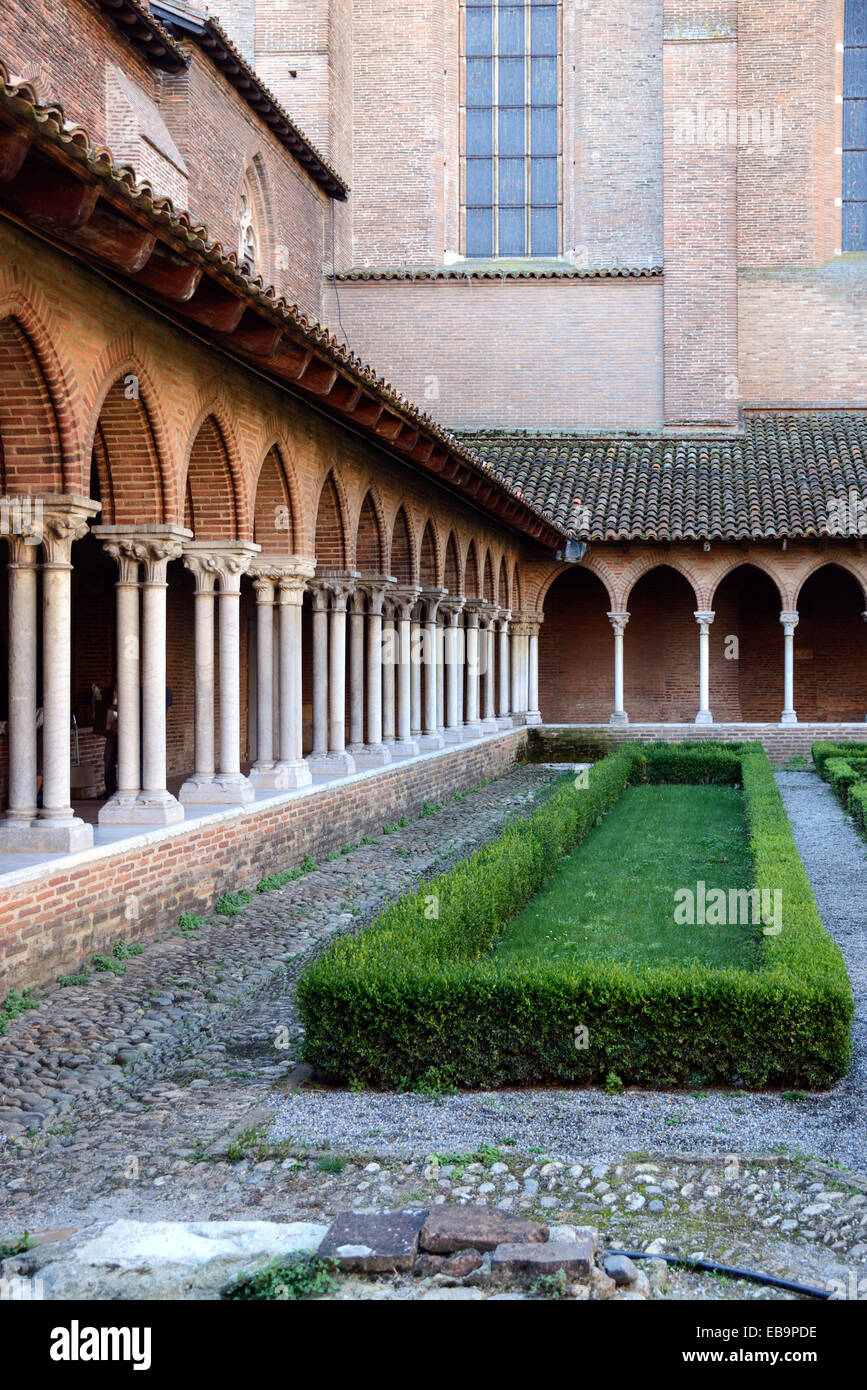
{"x": 711, "y": 1267}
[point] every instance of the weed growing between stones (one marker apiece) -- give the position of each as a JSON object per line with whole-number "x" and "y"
{"x": 15, "y": 1004}
{"x": 301, "y": 1277}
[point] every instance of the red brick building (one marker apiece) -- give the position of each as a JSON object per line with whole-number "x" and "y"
{"x": 606, "y": 468}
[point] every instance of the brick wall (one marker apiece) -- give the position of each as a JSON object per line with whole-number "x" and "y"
{"x": 52, "y": 922}
{"x": 537, "y": 355}
{"x": 700, "y": 216}
{"x": 803, "y": 335}
{"x": 588, "y": 743}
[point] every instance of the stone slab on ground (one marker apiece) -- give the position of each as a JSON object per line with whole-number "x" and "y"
{"x": 449, "y": 1229}
{"x": 159, "y": 1259}
{"x": 521, "y": 1260}
{"x": 373, "y": 1242}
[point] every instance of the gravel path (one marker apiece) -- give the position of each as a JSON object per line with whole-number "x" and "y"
{"x": 589, "y": 1124}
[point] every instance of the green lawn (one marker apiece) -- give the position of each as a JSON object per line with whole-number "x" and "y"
{"x": 613, "y": 897}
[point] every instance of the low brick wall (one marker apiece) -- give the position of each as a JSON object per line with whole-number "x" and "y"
{"x": 587, "y": 742}
{"x": 54, "y": 917}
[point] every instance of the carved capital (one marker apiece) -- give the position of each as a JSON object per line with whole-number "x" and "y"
{"x": 618, "y": 621}
{"x": 64, "y": 520}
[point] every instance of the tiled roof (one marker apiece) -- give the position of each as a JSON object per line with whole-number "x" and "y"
{"x": 47, "y": 166}
{"x": 503, "y": 270}
{"x": 145, "y": 32}
{"x": 183, "y": 22}
{"x": 790, "y": 475}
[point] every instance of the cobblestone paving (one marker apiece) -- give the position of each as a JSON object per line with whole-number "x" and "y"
{"x": 210, "y": 1122}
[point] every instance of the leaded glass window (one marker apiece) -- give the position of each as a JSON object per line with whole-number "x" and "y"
{"x": 511, "y": 146}
{"x": 855, "y": 127}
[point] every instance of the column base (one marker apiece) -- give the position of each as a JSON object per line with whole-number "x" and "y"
{"x": 370, "y": 754}
{"x": 473, "y": 730}
{"x": 330, "y": 764}
{"x": 534, "y": 717}
{"x": 429, "y": 742}
{"x": 490, "y": 726}
{"x": 518, "y": 720}
{"x": 453, "y": 735}
{"x": 119, "y": 809}
{"x": 45, "y": 836}
{"x": 788, "y": 716}
{"x": 155, "y": 808}
{"x": 297, "y": 774}
{"x": 405, "y": 748}
{"x": 270, "y": 779}
{"x": 504, "y": 721}
{"x": 203, "y": 790}
{"x": 704, "y": 716}
{"x": 619, "y": 717}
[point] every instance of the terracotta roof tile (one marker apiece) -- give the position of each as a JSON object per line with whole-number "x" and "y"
{"x": 790, "y": 474}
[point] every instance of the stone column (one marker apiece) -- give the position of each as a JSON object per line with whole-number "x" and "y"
{"x": 291, "y": 584}
{"x": 518, "y": 634}
{"x": 373, "y": 752}
{"x": 789, "y": 619}
{"x": 15, "y": 830}
{"x": 450, "y": 609}
{"x": 441, "y": 675}
{"x": 704, "y": 620}
{"x": 472, "y": 723}
{"x": 128, "y": 553}
{"x": 534, "y": 622}
{"x": 266, "y": 774}
{"x": 404, "y": 600}
{"x": 487, "y": 697}
{"x": 320, "y": 674}
{"x": 336, "y": 588}
{"x": 64, "y": 520}
{"x": 233, "y": 559}
{"x": 431, "y": 738}
{"x": 504, "y": 719}
{"x": 416, "y": 657}
{"x": 357, "y": 605}
{"x": 618, "y": 622}
{"x": 461, "y": 664}
{"x": 389, "y": 645}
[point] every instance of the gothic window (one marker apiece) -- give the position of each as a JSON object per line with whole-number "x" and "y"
{"x": 248, "y": 237}
{"x": 511, "y": 127}
{"x": 855, "y": 127}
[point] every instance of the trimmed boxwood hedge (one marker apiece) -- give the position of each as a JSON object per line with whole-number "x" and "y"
{"x": 853, "y": 753}
{"x": 418, "y": 999}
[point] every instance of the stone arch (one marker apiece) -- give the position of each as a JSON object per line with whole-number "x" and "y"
{"x": 22, "y": 301}
{"x": 428, "y": 568}
{"x": 661, "y": 647}
{"x": 273, "y": 514}
{"x": 31, "y": 451}
{"x": 127, "y": 475}
{"x": 471, "y": 572}
{"x": 576, "y": 652}
{"x": 210, "y": 501}
{"x": 368, "y": 538}
{"x": 502, "y": 595}
{"x": 841, "y": 562}
{"x": 330, "y": 543}
{"x": 400, "y": 562}
{"x": 645, "y": 564}
{"x": 452, "y": 570}
{"x": 517, "y": 591}
{"x": 755, "y": 561}
{"x": 488, "y": 589}
{"x": 746, "y": 645}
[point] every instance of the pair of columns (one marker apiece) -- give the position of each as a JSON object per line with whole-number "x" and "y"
{"x": 279, "y": 585}
{"x": 51, "y": 827}
{"x": 704, "y": 618}
{"x": 524, "y": 629}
